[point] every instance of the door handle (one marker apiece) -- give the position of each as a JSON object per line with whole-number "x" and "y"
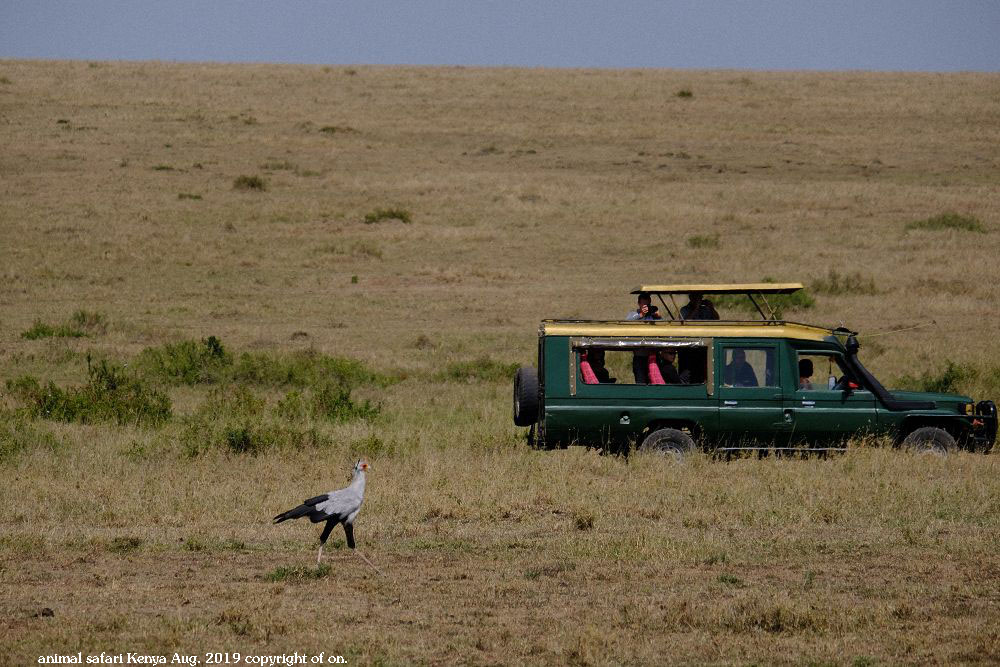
{"x": 730, "y": 403}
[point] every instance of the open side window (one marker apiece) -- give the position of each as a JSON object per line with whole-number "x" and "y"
{"x": 824, "y": 371}
{"x": 645, "y": 362}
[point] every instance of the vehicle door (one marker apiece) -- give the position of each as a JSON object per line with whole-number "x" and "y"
{"x": 825, "y": 403}
{"x": 748, "y": 386}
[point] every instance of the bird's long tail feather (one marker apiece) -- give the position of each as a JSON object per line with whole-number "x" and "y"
{"x": 295, "y": 513}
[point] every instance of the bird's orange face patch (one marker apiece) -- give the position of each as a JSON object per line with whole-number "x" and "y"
{"x": 363, "y": 465}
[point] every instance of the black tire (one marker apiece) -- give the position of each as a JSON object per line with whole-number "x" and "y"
{"x": 669, "y": 442}
{"x": 930, "y": 440}
{"x": 526, "y": 396}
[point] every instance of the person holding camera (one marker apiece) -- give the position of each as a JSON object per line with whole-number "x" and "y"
{"x": 640, "y": 359}
{"x": 698, "y": 308}
{"x": 644, "y": 309}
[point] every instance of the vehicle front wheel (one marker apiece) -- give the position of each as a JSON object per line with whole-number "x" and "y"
{"x": 668, "y": 442}
{"x": 930, "y": 440}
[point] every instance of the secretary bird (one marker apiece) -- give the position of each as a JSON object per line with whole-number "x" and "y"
{"x": 341, "y": 506}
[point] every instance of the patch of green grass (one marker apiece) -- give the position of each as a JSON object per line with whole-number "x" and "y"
{"x": 18, "y": 434}
{"x": 327, "y": 401}
{"x": 298, "y": 573}
{"x": 704, "y": 241}
{"x": 162, "y": 167}
{"x": 847, "y": 284}
{"x": 684, "y": 93}
{"x": 110, "y": 395}
{"x": 186, "y": 362}
{"x": 950, "y": 220}
{"x": 188, "y": 195}
{"x": 248, "y": 183}
{"x": 730, "y": 580}
{"x": 948, "y": 380}
{"x": 483, "y": 369}
{"x": 5, "y": 81}
{"x": 337, "y": 129}
{"x": 277, "y": 165}
{"x": 124, "y": 544}
{"x": 80, "y": 324}
{"x": 380, "y": 214}
{"x": 43, "y": 330}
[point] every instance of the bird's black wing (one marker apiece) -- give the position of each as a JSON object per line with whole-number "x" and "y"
{"x": 306, "y": 508}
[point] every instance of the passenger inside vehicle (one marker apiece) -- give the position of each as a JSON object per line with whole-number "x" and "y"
{"x": 738, "y": 372}
{"x": 597, "y": 364}
{"x": 805, "y": 374}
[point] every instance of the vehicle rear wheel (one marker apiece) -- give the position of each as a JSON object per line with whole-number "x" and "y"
{"x": 525, "y": 396}
{"x": 930, "y": 440}
{"x": 668, "y": 442}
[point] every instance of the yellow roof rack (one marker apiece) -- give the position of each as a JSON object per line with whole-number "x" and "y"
{"x": 734, "y": 288}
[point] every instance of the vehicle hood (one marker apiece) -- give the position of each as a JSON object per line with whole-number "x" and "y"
{"x": 942, "y": 400}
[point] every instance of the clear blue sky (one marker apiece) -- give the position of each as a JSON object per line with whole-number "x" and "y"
{"x": 946, "y": 35}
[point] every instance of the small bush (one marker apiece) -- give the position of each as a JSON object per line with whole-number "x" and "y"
{"x": 163, "y": 167}
{"x": 42, "y": 330}
{"x": 186, "y": 362}
{"x": 247, "y": 183}
{"x": 124, "y": 544}
{"x": 80, "y": 324}
{"x": 852, "y": 284}
{"x": 18, "y": 434}
{"x": 302, "y": 369}
{"x": 706, "y": 241}
{"x": 328, "y": 401}
{"x": 298, "y": 573}
{"x": 965, "y": 223}
{"x": 946, "y": 381}
{"x": 684, "y": 93}
{"x": 482, "y": 369}
{"x": 337, "y": 129}
{"x": 110, "y": 395}
{"x": 583, "y": 520}
{"x": 188, "y": 195}
{"x": 380, "y": 214}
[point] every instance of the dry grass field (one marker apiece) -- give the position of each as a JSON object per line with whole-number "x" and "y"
{"x": 374, "y": 248}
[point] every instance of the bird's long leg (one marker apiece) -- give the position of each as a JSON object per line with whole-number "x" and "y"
{"x": 349, "y": 532}
{"x": 370, "y": 564}
{"x": 322, "y": 540}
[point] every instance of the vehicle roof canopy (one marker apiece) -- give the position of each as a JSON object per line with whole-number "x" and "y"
{"x": 731, "y": 288}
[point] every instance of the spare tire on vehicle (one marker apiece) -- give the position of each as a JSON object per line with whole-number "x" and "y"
{"x": 526, "y": 396}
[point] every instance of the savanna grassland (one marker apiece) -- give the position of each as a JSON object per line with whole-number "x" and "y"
{"x": 222, "y": 284}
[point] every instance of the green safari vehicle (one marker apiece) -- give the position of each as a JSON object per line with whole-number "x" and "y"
{"x": 673, "y": 385}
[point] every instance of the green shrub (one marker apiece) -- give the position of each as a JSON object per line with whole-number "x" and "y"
{"x": 298, "y": 573}
{"x": 482, "y": 369}
{"x": 186, "y": 362}
{"x": 706, "y": 241}
{"x": 380, "y": 214}
{"x": 42, "y": 330}
{"x": 684, "y": 93}
{"x": 111, "y": 395}
{"x": 301, "y": 369}
{"x": 966, "y": 223}
{"x": 852, "y": 284}
{"x": 81, "y": 323}
{"x": 949, "y": 380}
{"x": 18, "y": 434}
{"x": 247, "y": 183}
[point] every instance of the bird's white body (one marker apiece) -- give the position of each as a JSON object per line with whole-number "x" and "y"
{"x": 337, "y": 507}
{"x": 346, "y": 502}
